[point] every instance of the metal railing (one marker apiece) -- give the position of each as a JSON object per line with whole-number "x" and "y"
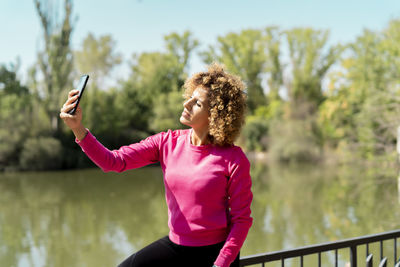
{"x": 352, "y": 244}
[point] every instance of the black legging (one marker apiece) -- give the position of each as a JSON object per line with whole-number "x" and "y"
{"x": 164, "y": 252}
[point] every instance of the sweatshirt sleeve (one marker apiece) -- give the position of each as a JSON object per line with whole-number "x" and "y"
{"x": 239, "y": 198}
{"x": 127, "y": 157}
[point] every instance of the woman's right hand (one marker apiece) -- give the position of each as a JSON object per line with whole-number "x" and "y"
{"x": 74, "y": 122}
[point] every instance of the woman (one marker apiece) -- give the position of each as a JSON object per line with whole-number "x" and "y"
{"x": 207, "y": 179}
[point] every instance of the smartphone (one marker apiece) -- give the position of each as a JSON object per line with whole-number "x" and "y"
{"x": 81, "y": 87}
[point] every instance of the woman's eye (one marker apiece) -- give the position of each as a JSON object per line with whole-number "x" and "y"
{"x": 198, "y": 104}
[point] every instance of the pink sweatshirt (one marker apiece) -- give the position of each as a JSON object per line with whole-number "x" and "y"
{"x": 207, "y": 188}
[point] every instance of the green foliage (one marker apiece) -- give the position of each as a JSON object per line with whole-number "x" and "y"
{"x": 9, "y": 84}
{"x": 15, "y": 116}
{"x": 256, "y": 130}
{"x": 14, "y": 121}
{"x": 249, "y": 54}
{"x": 41, "y": 153}
{"x": 290, "y": 115}
{"x": 155, "y": 88}
{"x": 255, "y": 134}
{"x": 294, "y": 141}
{"x": 55, "y": 60}
{"x": 167, "y": 111}
{"x": 155, "y": 73}
{"x": 309, "y": 64}
{"x": 97, "y": 57}
{"x": 254, "y": 55}
{"x": 180, "y": 48}
{"x": 273, "y": 110}
{"x": 134, "y": 107}
{"x": 361, "y": 112}
{"x": 102, "y": 112}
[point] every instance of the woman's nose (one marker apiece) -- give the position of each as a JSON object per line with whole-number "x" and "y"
{"x": 187, "y": 104}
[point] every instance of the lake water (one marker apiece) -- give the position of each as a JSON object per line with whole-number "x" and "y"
{"x": 89, "y": 218}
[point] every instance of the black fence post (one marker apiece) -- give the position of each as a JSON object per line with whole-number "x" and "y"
{"x": 353, "y": 256}
{"x": 350, "y": 244}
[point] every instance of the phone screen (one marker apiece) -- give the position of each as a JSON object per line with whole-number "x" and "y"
{"x": 80, "y": 88}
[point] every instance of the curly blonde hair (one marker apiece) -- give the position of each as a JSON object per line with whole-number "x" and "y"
{"x": 226, "y": 101}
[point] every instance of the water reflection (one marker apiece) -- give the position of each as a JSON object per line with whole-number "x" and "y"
{"x": 83, "y": 218}
{"x": 88, "y": 218}
{"x": 303, "y": 205}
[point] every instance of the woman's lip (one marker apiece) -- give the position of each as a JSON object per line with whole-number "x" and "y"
{"x": 185, "y": 114}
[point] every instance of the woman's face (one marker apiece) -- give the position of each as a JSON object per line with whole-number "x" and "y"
{"x": 195, "y": 113}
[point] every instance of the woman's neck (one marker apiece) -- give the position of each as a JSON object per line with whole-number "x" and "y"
{"x": 199, "y": 138}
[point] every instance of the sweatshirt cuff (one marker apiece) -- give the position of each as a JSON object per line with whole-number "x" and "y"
{"x": 86, "y": 141}
{"x": 222, "y": 261}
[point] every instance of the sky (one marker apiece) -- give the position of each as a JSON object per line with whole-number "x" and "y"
{"x": 140, "y": 25}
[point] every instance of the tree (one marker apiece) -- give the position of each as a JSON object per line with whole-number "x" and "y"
{"x": 256, "y": 130}
{"x": 168, "y": 106}
{"x": 243, "y": 54}
{"x": 167, "y": 110}
{"x": 361, "y": 112}
{"x": 55, "y": 60}
{"x": 9, "y": 83}
{"x": 157, "y": 77}
{"x": 180, "y": 48}
{"x": 164, "y": 72}
{"x": 97, "y": 57}
{"x": 310, "y": 60}
{"x": 273, "y": 64}
{"x": 15, "y": 116}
